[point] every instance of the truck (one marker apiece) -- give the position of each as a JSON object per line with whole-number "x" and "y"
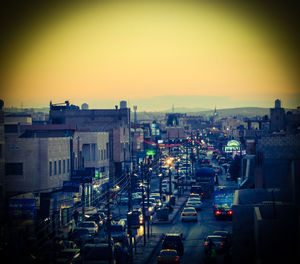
{"x": 204, "y": 177}
{"x": 222, "y": 202}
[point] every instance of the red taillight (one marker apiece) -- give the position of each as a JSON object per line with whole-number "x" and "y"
{"x": 159, "y": 259}
{"x": 194, "y": 213}
{"x": 201, "y": 193}
{"x": 205, "y": 243}
{"x": 218, "y": 212}
{"x": 221, "y": 244}
{"x": 229, "y": 212}
{"x": 203, "y": 161}
{"x": 176, "y": 259}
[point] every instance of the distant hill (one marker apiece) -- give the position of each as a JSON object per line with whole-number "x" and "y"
{"x": 241, "y": 111}
{"x": 227, "y": 112}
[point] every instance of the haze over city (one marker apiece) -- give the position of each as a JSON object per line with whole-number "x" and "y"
{"x": 151, "y": 54}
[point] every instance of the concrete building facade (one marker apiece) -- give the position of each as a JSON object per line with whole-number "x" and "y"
{"x": 36, "y": 164}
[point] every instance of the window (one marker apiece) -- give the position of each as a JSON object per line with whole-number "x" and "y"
{"x": 68, "y": 165}
{"x": 93, "y": 152}
{"x": 14, "y": 168}
{"x": 50, "y": 168}
{"x": 59, "y": 167}
{"x": 55, "y": 169}
{"x": 101, "y": 154}
{"x": 64, "y": 166}
{"x": 86, "y": 152}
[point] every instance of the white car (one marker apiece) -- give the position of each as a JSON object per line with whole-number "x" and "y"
{"x": 189, "y": 214}
{"x": 91, "y": 226}
{"x": 194, "y": 202}
{"x": 195, "y": 195}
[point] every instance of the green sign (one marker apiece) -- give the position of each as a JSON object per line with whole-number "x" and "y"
{"x": 151, "y": 152}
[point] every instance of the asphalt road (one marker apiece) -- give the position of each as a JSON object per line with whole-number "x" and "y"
{"x": 195, "y": 233}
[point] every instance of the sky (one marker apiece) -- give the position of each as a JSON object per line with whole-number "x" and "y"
{"x": 152, "y": 54}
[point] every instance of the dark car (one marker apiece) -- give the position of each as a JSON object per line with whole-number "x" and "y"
{"x": 97, "y": 218}
{"x": 173, "y": 241}
{"x": 97, "y": 253}
{"x": 81, "y": 236}
{"x": 68, "y": 255}
{"x": 226, "y": 236}
{"x": 216, "y": 242}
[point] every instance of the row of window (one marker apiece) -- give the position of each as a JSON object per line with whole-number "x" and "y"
{"x": 59, "y": 167}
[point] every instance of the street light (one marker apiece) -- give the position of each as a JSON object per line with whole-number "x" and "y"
{"x": 160, "y": 175}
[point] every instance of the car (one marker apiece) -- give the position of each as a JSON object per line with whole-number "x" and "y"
{"x": 80, "y": 236}
{"x": 168, "y": 256}
{"x": 68, "y": 255}
{"x": 97, "y": 253}
{"x": 118, "y": 231}
{"x": 150, "y": 209}
{"x": 194, "y": 202}
{"x": 97, "y": 218}
{"x": 194, "y": 195}
{"x": 89, "y": 225}
{"x": 216, "y": 242}
{"x": 189, "y": 214}
{"x": 173, "y": 241}
{"x": 226, "y": 236}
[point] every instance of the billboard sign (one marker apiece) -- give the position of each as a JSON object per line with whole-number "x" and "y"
{"x": 232, "y": 145}
{"x": 22, "y": 208}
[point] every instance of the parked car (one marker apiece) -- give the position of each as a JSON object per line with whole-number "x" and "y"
{"x": 214, "y": 241}
{"x": 118, "y": 231}
{"x": 168, "y": 256}
{"x": 96, "y": 218}
{"x": 68, "y": 256}
{"x": 91, "y": 226}
{"x": 189, "y": 214}
{"x": 194, "y": 202}
{"x": 173, "y": 241}
{"x": 97, "y": 253}
{"x": 80, "y": 236}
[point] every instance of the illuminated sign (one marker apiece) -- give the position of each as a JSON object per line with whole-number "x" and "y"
{"x": 232, "y": 145}
{"x": 150, "y": 152}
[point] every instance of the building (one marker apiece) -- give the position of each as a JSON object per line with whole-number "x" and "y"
{"x": 114, "y": 121}
{"x": 266, "y": 213}
{"x": 277, "y": 117}
{"x": 2, "y": 163}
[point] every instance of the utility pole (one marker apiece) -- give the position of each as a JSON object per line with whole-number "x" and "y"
{"x": 148, "y": 196}
{"x": 170, "y": 181}
{"x": 108, "y": 220}
{"x": 83, "y": 199}
{"x": 143, "y": 208}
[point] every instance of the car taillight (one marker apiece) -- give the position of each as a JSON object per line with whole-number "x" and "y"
{"x": 202, "y": 193}
{"x": 221, "y": 244}
{"x": 194, "y": 213}
{"x": 205, "y": 243}
{"x": 218, "y": 212}
{"x": 159, "y": 259}
{"x": 229, "y": 212}
{"x": 183, "y": 214}
{"x": 176, "y": 259}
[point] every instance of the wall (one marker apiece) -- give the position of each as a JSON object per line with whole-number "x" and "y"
{"x": 35, "y": 155}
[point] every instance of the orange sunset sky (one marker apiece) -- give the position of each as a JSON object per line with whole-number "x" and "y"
{"x": 132, "y": 50}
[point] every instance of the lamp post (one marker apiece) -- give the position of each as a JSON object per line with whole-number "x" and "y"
{"x": 160, "y": 175}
